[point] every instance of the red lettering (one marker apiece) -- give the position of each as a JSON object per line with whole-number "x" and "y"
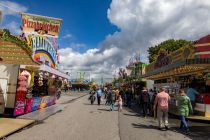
{"x": 56, "y": 29}
{"x": 34, "y": 25}
{"x": 51, "y": 27}
{"x": 24, "y": 22}
{"x": 29, "y": 24}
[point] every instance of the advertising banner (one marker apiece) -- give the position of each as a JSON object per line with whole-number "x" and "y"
{"x": 29, "y": 103}
{"x": 19, "y": 107}
{"x": 40, "y": 25}
{"x": 36, "y": 103}
{"x": 44, "y": 101}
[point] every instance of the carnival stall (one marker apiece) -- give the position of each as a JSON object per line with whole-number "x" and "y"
{"x": 29, "y": 75}
{"x": 187, "y": 66}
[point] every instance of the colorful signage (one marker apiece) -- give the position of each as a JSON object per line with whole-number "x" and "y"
{"x": 36, "y": 103}
{"x": 44, "y": 48}
{"x": 29, "y": 103}
{"x": 44, "y": 101}
{"x": 19, "y": 107}
{"x": 41, "y": 25}
{"x": 164, "y": 59}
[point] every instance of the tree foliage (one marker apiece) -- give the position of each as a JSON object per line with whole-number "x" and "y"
{"x": 168, "y": 45}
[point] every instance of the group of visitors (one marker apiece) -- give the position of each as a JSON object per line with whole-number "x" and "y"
{"x": 159, "y": 106}
{"x": 154, "y": 103}
{"x": 111, "y": 95}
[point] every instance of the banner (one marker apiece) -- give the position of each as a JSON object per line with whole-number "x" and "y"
{"x": 19, "y": 107}
{"x": 44, "y": 49}
{"x": 29, "y": 103}
{"x": 36, "y": 103}
{"x": 40, "y": 25}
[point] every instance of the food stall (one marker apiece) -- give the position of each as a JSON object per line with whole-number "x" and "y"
{"x": 13, "y": 53}
{"x": 29, "y": 75}
{"x": 40, "y": 33}
{"x": 189, "y": 65}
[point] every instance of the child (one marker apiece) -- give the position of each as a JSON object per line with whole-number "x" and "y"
{"x": 120, "y": 103}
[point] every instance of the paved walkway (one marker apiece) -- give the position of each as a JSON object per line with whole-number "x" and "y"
{"x": 78, "y": 121}
{"x": 44, "y": 113}
{"x": 135, "y": 127}
{"x": 82, "y": 121}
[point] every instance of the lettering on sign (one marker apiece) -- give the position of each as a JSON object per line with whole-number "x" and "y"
{"x": 41, "y": 45}
{"x": 162, "y": 60}
{"x": 41, "y": 25}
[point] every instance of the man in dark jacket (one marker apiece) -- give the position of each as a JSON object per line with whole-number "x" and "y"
{"x": 145, "y": 101}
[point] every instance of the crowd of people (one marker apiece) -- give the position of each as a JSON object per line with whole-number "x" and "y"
{"x": 151, "y": 103}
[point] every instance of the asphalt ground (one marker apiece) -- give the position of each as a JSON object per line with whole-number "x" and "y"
{"x": 82, "y": 121}
{"x": 132, "y": 117}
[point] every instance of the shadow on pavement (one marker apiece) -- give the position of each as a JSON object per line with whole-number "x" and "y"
{"x": 144, "y": 126}
{"x": 198, "y": 130}
{"x": 104, "y": 109}
{"x": 137, "y": 115}
{"x": 89, "y": 104}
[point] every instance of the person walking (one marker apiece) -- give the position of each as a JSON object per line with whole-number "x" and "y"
{"x": 92, "y": 96}
{"x": 145, "y": 101}
{"x": 184, "y": 108}
{"x": 112, "y": 98}
{"x": 191, "y": 92}
{"x": 120, "y": 103}
{"x": 152, "y": 102}
{"x": 106, "y": 92}
{"x": 162, "y": 99}
{"x": 99, "y": 94}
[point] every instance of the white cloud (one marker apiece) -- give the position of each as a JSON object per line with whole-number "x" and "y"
{"x": 14, "y": 27}
{"x": 92, "y": 60}
{"x": 11, "y": 8}
{"x": 67, "y": 36}
{"x": 143, "y": 23}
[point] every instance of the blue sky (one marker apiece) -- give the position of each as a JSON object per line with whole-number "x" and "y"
{"x": 120, "y": 27}
{"x": 85, "y": 22}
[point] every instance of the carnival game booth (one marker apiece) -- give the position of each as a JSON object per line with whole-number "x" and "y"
{"x": 189, "y": 65}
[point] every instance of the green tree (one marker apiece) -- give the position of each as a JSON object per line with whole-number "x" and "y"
{"x": 168, "y": 45}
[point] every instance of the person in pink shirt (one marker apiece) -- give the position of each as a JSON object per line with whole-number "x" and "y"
{"x": 161, "y": 102}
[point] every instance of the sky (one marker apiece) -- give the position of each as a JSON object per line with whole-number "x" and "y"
{"x": 99, "y": 36}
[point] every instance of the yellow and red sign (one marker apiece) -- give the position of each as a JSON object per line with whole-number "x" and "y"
{"x": 41, "y": 25}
